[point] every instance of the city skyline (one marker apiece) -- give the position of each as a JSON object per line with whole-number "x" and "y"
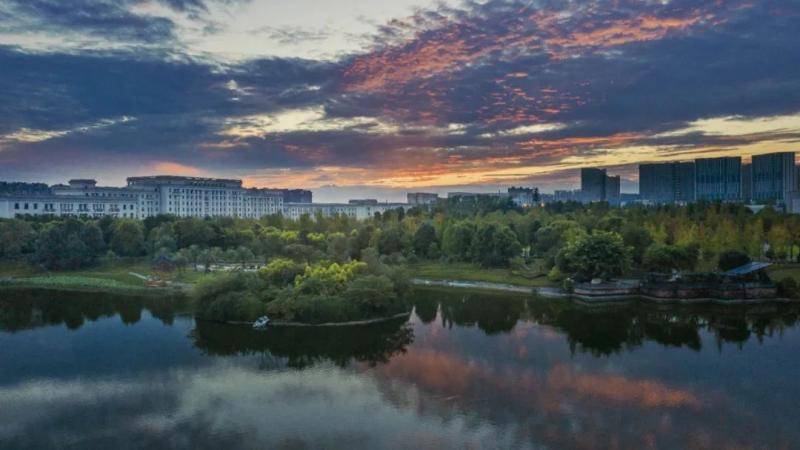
{"x": 376, "y": 99}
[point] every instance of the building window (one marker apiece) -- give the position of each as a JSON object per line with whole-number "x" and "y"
{"x": 26, "y": 206}
{"x": 16, "y": 205}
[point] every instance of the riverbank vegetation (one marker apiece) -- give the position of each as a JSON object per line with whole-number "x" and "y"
{"x": 321, "y": 292}
{"x": 487, "y": 239}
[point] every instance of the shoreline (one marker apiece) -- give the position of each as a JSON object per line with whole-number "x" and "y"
{"x": 35, "y": 283}
{"x": 324, "y": 324}
{"x": 550, "y": 292}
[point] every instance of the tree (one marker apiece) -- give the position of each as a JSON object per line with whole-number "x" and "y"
{"x": 17, "y": 238}
{"x": 637, "y": 239}
{"x": 61, "y": 245}
{"x": 665, "y": 258}
{"x": 128, "y": 238}
{"x": 390, "y": 240}
{"x": 732, "y": 259}
{"x": 601, "y": 254}
{"x": 494, "y": 245}
{"x": 338, "y": 247}
{"x": 424, "y": 240}
{"x": 373, "y": 293}
{"x": 457, "y": 240}
{"x": 193, "y": 231}
{"x": 553, "y": 236}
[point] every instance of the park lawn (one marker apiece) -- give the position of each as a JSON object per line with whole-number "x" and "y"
{"x": 473, "y": 272}
{"x": 105, "y": 274}
{"x": 778, "y": 272}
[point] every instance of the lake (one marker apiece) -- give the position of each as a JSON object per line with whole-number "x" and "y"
{"x": 465, "y": 370}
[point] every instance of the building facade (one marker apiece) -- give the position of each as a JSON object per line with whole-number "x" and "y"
{"x": 358, "y": 211}
{"x": 593, "y": 185}
{"x": 421, "y": 198}
{"x": 718, "y": 179}
{"x": 773, "y": 177}
{"x": 147, "y": 196}
{"x": 667, "y": 182}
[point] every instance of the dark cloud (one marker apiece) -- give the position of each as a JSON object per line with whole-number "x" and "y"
{"x": 443, "y": 89}
{"x": 109, "y": 19}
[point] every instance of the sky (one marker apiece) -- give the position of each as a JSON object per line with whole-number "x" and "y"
{"x": 377, "y": 98}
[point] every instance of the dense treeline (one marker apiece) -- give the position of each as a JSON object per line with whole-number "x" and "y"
{"x": 572, "y": 239}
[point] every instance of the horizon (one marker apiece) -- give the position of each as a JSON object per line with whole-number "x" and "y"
{"x": 373, "y": 100}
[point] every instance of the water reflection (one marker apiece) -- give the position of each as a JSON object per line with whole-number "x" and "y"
{"x": 305, "y": 346}
{"x": 22, "y": 309}
{"x": 610, "y": 328}
{"x": 466, "y": 370}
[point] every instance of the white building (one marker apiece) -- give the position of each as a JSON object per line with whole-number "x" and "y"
{"x": 179, "y": 196}
{"x": 359, "y": 211}
{"x": 147, "y": 196}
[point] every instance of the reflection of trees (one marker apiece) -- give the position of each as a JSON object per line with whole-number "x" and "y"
{"x": 610, "y": 328}
{"x": 303, "y": 346}
{"x": 491, "y": 313}
{"x": 30, "y": 308}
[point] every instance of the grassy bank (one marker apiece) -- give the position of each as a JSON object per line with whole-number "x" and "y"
{"x": 781, "y": 271}
{"x": 79, "y": 283}
{"x": 112, "y": 276}
{"x": 474, "y": 272}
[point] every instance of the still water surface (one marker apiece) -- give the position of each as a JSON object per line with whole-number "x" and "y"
{"x": 466, "y": 370}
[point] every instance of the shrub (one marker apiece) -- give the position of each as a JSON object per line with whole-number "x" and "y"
{"x": 788, "y": 288}
{"x": 555, "y": 275}
{"x": 281, "y": 271}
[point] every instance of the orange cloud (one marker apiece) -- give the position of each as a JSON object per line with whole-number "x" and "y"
{"x": 173, "y": 168}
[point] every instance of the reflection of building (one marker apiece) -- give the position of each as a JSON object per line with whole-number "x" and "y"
{"x": 667, "y": 182}
{"x": 773, "y": 177}
{"x": 421, "y": 198}
{"x": 718, "y": 179}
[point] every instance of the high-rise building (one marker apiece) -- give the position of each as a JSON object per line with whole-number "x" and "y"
{"x": 593, "y": 185}
{"x": 718, "y": 179}
{"x": 612, "y": 189}
{"x": 667, "y": 182}
{"x": 747, "y": 183}
{"x": 773, "y": 177}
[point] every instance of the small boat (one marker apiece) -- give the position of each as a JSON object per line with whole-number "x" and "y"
{"x": 261, "y": 323}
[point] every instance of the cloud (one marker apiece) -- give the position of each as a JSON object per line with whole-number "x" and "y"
{"x": 486, "y": 93}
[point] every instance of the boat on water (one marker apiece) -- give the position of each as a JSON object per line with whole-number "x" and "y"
{"x": 261, "y": 323}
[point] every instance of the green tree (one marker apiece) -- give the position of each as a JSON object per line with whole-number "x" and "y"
{"x": 193, "y": 231}
{"x": 494, "y": 245}
{"x": 425, "y": 240}
{"x": 601, "y": 254}
{"x": 665, "y": 258}
{"x": 17, "y": 237}
{"x": 128, "y": 238}
{"x": 457, "y": 240}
